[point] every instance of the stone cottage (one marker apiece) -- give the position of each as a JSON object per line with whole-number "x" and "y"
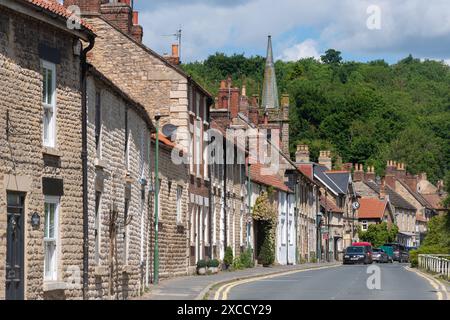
{"x": 165, "y": 91}
{"x": 41, "y": 216}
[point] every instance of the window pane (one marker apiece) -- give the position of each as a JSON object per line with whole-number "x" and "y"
{"x": 51, "y": 230}
{"x": 46, "y": 220}
{"x": 44, "y": 85}
{"x": 49, "y": 86}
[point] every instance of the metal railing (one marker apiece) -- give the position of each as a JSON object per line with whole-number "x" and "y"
{"x": 435, "y": 263}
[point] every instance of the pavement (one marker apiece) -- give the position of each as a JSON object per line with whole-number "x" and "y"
{"x": 197, "y": 287}
{"x": 349, "y": 282}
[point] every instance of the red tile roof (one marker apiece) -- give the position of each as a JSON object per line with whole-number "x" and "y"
{"x": 56, "y": 8}
{"x": 371, "y": 208}
{"x": 435, "y": 200}
{"x": 306, "y": 169}
{"x": 268, "y": 180}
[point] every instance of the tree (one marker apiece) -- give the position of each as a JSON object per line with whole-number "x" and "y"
{"x": 332, "y": 57}
{"x": 379, "y": 234}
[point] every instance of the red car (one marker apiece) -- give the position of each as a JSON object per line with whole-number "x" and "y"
{"x": 368, "y": 247}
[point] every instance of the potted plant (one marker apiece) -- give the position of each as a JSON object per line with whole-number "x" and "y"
{"x": 228, "y": 258}
{"x": 213, "y": 266}
{"x": 201, "y": 267}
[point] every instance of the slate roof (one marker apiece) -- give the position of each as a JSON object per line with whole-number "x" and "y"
{"x": 395, "y": 199}
{"x": 341, "y": 178}
{"x": 320, "y": 172}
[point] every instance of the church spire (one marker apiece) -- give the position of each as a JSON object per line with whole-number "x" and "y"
{"x": 270, "y": 89}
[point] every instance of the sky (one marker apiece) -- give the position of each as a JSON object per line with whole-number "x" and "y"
{"x": 363, "y": 30}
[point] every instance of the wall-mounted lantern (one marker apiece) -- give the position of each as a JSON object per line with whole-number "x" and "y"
{"x": 35, "y": 220}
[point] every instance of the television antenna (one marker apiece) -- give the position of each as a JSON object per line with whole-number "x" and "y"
{"x": 177, "y": 36}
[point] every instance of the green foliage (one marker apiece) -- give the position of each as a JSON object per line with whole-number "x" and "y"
{"x": 379, "y": 234}
{"x": 331, "y": 56}
{"x": 214, "y": 263}
{"x": 267, "y": 254}
{"x": 365, "y": 112}
{"x": 201, "y": 264}
{"x": 246, "y": 258}
{"x": 228, "y": 258}
{"x": 264, "y": 210}
{"x": 237, "y": 264}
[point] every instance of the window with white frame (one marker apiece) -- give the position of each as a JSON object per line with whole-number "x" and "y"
{"x": 192, "y": 224}
{"x": 213, "y": 222}
{"x": 241, "y": 227}
{"x": 365, "y": 225}
{"x": 206, "y": 224}
{"x": 49, "y": 103}
{"x": 51, "y": 231}
{"x": 179, "y": 199}
{"x": 291, "y": 233}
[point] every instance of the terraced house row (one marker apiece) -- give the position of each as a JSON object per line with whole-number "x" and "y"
{"x": 107, "y": 179}
{"x": 80, "y": 175}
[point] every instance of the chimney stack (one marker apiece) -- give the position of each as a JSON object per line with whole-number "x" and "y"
{"x": 358, "y": 175}
{"x": 174, "y": 58}
{"x": 325, "y": 159}
{"x": 400, "y": 172}
{"x": 383, "y": 189}
{"x": 411, "y": 181}
{"x": 347, "y": 167}
{"x": 302, "y": 154}
{"x": 370, "y": 174}
{"x": 391, "y": 170}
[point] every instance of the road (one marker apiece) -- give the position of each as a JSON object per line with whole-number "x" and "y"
{"x": 347, "y": 282}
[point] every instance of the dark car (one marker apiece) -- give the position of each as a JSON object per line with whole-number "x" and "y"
{"x": 357, "y": 254}
{"x": 378, "y": 255}
{"x": 401, "y": 254}
{"x": 367, "y": 245}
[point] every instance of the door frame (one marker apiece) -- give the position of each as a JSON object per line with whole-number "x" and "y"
{"x": 22, "y": 247}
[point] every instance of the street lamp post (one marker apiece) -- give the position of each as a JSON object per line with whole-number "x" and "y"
{"x": 156, "y": 250}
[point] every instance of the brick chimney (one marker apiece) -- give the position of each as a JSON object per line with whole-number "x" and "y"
{"x": 347, "y": 166}
{"x": 223, "y": 95}
{"x": 119, "y": 13}
{"x": 391, "y": 167}
{"x": 302, "y": 154}
{"x": 243, "y": 101}
{"x": 370, "y": 174}
{"x": 234, "y": 102}
{"x": 411, "y": 181}
{"x": 325, "y": 159}
{"x": 383, "y": 189}
{"x": 400, "y": 172}
{"x": 137, "y": 31}
{"x": 391, "y": 170}
{"x": 86, "y": 6}
{"x": 358, "y": 175}
{"x": 174, "y": 58}
{"x": 253, "y": 115}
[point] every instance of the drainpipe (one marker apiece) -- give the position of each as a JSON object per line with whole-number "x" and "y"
{"x": 84, "y": 160}
{"x": 249, "y": 196}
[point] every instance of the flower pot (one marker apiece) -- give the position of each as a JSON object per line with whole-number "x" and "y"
{"x": 213, "y": 270}
{"x": 201, "y": 271}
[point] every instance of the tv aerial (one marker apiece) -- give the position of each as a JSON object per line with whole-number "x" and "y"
{"x": 177, "y": 35}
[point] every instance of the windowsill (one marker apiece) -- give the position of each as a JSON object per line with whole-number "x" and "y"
{"x": 54, "y": 285}
{"x": 206, "y": 123}
{"x": 128, "y": 178}
{"x": 191, "y": 113}
{"x": 101, "y": 164}
{"x": 54, "y": 152}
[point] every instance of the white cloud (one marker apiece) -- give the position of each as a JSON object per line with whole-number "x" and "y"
{"x": 305, "y": 49}
{"x": 407, "y": 26}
